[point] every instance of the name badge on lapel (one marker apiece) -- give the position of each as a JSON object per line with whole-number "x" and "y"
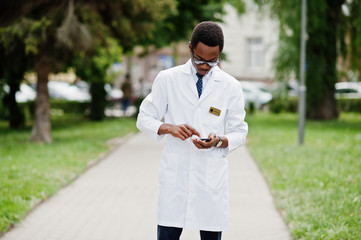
{"x": 215, "y": 111}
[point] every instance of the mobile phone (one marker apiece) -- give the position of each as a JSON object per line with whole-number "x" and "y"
{"x": 206, "y": 139}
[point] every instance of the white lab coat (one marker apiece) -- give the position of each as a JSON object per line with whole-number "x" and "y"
{"x": 193, "y": 183}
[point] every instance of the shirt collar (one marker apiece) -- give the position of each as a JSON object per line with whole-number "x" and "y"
{"x": 194, "y": 71}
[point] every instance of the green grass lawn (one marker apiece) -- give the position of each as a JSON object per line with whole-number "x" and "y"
{"x": 317, "y": 186}
{"x": 31, "y": 172}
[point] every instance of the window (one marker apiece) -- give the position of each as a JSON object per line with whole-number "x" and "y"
{"x": 255, "y": 53}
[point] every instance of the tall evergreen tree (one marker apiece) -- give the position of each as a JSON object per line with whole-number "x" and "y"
{"x": 53, "y": 30}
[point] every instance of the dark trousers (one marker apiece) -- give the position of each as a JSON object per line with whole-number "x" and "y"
{"x": 125, "y": 104}
{"x": 173, "y": 233}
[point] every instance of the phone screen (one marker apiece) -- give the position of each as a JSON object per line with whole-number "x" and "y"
{"x": 206, "y": 139}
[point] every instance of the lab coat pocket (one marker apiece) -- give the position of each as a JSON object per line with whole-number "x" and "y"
{"x": 216, "y": 173}
{"x": 168, "y": 169}
{"x": 213, "y": 115}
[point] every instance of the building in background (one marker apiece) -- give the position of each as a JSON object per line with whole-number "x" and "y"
{"x": 251, "y": 41}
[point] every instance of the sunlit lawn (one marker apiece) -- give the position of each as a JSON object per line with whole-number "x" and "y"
{"x": 317, "y": 185}
{"x": 32, "y": 172}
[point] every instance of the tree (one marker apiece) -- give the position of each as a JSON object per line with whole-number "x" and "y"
{"x": 354, "y": 24}
{"x": 93, "y": 67}
{"x": 135, "y": 22}
{"x": 128, "y": 23}
{"x": 142, "y": 23}
{"x": 327, "y": 27}
{"x": 51, "y": 34}
{"x": 179, "y": 24}
{"x": 13, "y": 73}
{"x": 35, "y": 26}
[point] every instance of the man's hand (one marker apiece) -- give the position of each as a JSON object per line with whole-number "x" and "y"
{"x": 182, "y": 131}
{"x": 205, "y": 145}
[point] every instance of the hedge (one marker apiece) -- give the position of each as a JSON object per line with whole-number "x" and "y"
{"x": 349, "y": 105}
{"x": 56, "y": 105}
{"x": 278, "y": 105}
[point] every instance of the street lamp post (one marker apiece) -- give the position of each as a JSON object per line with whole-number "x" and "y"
{"x": 302, "y": 87}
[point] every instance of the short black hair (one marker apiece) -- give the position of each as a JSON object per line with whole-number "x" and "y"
{"x": 209, "y": 33}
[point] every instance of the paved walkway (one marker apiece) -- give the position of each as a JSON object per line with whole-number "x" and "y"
{"x": 117, "y": 199}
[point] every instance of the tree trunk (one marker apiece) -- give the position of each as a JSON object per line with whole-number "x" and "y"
{"x": 42, "y": 127}
{"x": 98, "y": 102}
{"x": 321, "y": 59}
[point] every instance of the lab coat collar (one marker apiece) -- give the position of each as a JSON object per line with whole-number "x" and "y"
{"x": 213, "y": 81}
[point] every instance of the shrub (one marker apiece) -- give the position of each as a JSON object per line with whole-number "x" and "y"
{"x": 251, "y": 108}
{"x": 278, "y": 105}
{"x": 70, "y": 106}
{"x": 349, "y": 105}
{"x": 137, "y": 103}
{"x": 63, "y": 105}
{"x": 3, "y": 111}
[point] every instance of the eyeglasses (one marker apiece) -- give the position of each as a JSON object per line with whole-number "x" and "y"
{"x": 200, "y": 62}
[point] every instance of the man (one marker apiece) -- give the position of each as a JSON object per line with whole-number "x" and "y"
{"x": 196, "y": 100}
{"x": 127, "y": 93}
